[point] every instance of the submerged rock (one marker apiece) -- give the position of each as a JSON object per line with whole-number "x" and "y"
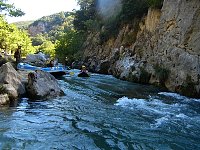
{"x": 42, "y": 85}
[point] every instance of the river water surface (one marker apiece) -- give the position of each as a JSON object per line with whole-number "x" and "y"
{"x": 102, "y": 112}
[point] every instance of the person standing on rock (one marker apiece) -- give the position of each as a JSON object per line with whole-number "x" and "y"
{"x": 17, "y": 55}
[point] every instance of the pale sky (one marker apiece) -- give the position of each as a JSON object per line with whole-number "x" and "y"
{"x": 36, "y": 9}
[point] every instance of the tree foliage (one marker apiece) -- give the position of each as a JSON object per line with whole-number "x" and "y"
{"x": 55, "y": 27}
{"x": 55, "y": 24}
{"x": 132, "y": 9}
{"x": 9, "y": 9}
{"x": 69, "y": 45}
{"x": 155, "y": 3}
{"x": 11, "y": 37}
{"x": 38, "y": 40}
{"x": 86, "y": 13}
{"x": 47, "y": 47}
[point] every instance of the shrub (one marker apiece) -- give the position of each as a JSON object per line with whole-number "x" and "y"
{"x": 132, "y": 9}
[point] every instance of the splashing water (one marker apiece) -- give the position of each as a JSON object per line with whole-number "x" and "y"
{"x": 102, "y": 112}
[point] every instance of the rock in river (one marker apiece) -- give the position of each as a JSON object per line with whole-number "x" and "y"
{"x": 42, "y": 85}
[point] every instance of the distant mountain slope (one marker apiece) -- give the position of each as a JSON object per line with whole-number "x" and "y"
{"x": 23, "y": 24}
{"x": 52, "y": 26}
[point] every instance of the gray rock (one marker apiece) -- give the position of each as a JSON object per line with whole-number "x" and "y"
{"x": 11, "y": 91}
{"x": 4, "y": 99}
{"x": 42, "y": 85}
{"x": 39, "y": 28}
{"x": 103, "y": 67}
{"x": 36, "y": 59}
{"x": 11, "y": 80}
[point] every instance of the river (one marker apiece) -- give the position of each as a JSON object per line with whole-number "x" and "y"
{"x": 102, "y": 113}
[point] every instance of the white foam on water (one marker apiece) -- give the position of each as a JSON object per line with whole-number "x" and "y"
{"x": 174, "y": 95}
{"x": 125, "y": 101}
{"x": 183, "y": 116}
{"x": 178, "y": 96}
{"x": 161, "y": 121}
{"x": 150, "y": 105}
{"x": 161, "y": 112}
{"x": 169, "y": 118}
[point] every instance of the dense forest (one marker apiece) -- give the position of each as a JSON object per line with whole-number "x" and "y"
{"x": 65, "y": 31}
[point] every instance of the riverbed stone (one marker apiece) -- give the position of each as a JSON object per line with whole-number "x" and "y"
{"x": 42, "y": 85}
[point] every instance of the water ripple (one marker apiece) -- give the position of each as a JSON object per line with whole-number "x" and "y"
{"x": 102, "y": 112}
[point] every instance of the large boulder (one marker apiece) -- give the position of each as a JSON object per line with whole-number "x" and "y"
{"x": 42, "y": 85}
{"x": 36, "y": 59}
{"x": 11, "y": 81}
{"x": 11, "y": 91}
{"x": 103, "y": 67}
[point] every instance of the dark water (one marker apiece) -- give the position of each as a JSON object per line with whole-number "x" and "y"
{"x": 102, "y": 112}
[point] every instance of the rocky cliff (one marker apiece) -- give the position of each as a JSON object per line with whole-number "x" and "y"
{"x": 162, "y": 49}
{"x": 40, "y": 28}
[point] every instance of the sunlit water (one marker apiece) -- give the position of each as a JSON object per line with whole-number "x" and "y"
{"x": 102, "y": 112}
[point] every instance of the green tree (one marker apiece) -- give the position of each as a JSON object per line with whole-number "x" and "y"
{"x": 132, "y": 9}
{"x": 48, "y": 48}
{"x": 11, "y": 37}
{"x": 55, "y": 25}
{"x": 69, "y": 45}
{"x": 87, "y": 12}
{"x": 9, "y": 9}
{"x": 38, "y": 40}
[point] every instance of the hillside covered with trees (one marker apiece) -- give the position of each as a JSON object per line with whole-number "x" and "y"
{"x": 23, "y": 24}
{"x": 46, "y": 31}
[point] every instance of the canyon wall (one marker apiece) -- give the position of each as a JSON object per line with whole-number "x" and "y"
{"x": 161, "y": 48}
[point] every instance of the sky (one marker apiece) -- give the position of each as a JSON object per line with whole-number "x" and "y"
{"x": 36, "y": 9}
